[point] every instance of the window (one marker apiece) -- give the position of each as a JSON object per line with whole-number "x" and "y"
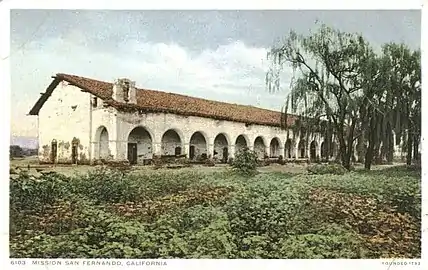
{"x": 94, "y": 102}
{"x": 126, "y": 92}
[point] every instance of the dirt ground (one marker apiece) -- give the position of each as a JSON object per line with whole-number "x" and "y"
{"x": 69, "y": 170}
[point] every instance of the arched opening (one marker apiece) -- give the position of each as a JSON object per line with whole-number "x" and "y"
{"x": 54, "y": 151}
{"x": 171, "y": 143}
{"x": 240, "y": 143}
{"x": 198, "y": 147}
{"x": 259, "y": 147}
{"x": 302, "y": 149}
{"x": 313, "y": 150}
{"x": 275, "y": 148}
{"x": 140, "y": 145}
{"x": 288, "y": 149}
{"x": 102, "y": 150}
{"x": 221, "y": 149}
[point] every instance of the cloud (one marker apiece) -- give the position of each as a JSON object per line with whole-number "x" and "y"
{"x": 232, "y": 72}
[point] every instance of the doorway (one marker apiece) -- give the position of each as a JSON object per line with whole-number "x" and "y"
{"x": 225, "y": 154}
{"x": 74, "y": 154}
{"x": 54, "y": 148}
{"x": 132, "y": 153}
{"x": 192, "y": 152}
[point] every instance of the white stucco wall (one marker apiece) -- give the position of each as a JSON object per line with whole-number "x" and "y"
{"x": 158, "y": 123}
{"x": 68, "y": 114}
{"x": 63, "y": 117}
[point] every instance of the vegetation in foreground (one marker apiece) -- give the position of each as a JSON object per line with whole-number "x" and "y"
{"x": 108, "y": 214}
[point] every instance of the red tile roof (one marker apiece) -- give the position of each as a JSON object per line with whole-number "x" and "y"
{"x": 158, "y": 101}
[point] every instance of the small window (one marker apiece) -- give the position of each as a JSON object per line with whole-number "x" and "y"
{"x": 126, "y": 92}
{"x": 94, "y": 102}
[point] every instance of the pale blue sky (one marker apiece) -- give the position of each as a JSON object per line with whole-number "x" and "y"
{"x": 218, "y": 55}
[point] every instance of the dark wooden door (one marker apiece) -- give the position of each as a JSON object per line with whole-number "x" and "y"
{"x": 74, "y": 154}
{"x": 191, "y": 152}
{"x": 132, "y": 153}
{"x": 313, "y": 151}
{"x": 54, "y": 151}
{"x": 225, "y": 154}
{"x": 177, "y": 151}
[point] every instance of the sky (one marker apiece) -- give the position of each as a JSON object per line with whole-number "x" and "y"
{"x": 219, "y": 55}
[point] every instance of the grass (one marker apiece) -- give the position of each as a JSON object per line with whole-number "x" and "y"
{"x": 216, "y": 214}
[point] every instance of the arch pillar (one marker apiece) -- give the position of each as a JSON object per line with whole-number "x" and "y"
{"x": 251, "y": 146}
{"x": 186, "y": 147}
{"x": 282, "y": 151}
{"x": 210, "y": 148}
{"x": 232, "y": 150}
{"x": 118, "y": 149}
{"x": 267, "y": 150}
{"x": 318, "y": 149}
{"x": 157, "y": 148}
{"x": 296, "y": 149}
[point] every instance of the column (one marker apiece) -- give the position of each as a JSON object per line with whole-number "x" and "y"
{"x": 231, "y": 151}
{"x": 318, "y": 151}
{"x": 210, "y": 149}
{"x": 251, "y": 146}
{"x": 282, "y": 152}
{"x": 119, "y": 149}
{"x": 307, "y": 150}
{"x": 185, "y": 150}
{"x": 267, "y": 151}
{"x": 157, "y": 149}
{"x": 94, "y": 150}
{"x": 296, "y": 151}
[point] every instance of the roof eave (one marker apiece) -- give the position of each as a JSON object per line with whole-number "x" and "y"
{"x": 44, "y": 96}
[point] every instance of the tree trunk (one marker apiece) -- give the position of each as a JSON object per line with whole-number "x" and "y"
{"x": 360, "y": 148}
{"x": 369, "y": 156}
{"x": 345, "y": 157}
{"x": 382, "y": 155}
{"x": 376, "y": 152}
{"x": 390, "y": 147}
{"x": 342, "y": 149}
{"x": 370, "y": 153}
{"x": 409, "y": 148}
{"x": 328, "y": 141}
{"x": 416, "y": 148}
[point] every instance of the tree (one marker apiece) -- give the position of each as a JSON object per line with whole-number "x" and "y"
{"x": 15, "y": 151}
{"x": 404, "y": 83}
{"x": 330, "y": 83}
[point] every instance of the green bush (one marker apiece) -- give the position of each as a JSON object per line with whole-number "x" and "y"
{"x": 185, "y": 214}
{"x": 112, "y": 186}
{"x": 245, "y": 162}
{"x": 106, "y": 185}
{"x": 333, "y": 168}
{"x": 329, "y": 242}
{"x": 28, "y": 192}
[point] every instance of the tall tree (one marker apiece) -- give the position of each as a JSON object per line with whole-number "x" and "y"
{"x": 329, "y": 82}
{"x": 403, "y": 84}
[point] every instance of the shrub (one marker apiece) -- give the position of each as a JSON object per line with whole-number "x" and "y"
{"x": 329, "y": 242}
{"x": 187, "y": 214}
{"x": 28, "y": 192}
{"x": 245, "y": 162}
{"x": 106, "y": 185}
{"x": 333, "y": 168}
